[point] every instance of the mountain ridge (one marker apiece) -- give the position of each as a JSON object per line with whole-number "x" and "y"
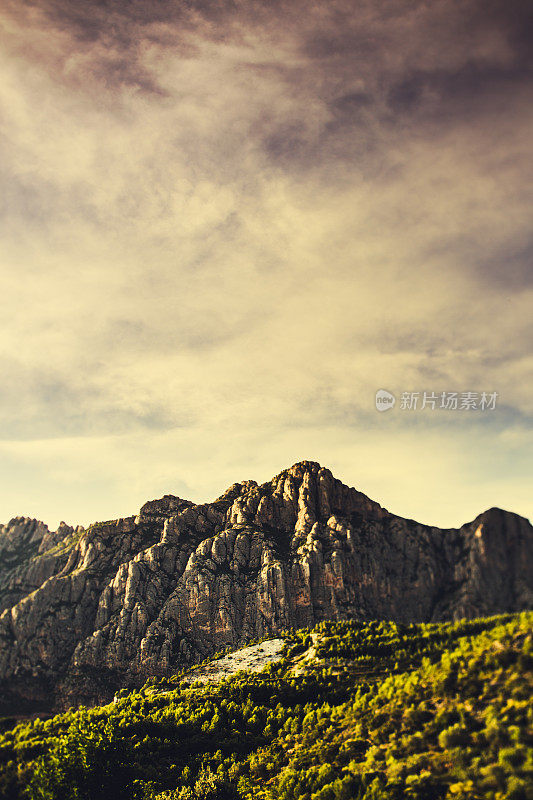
{"x": 84, "y": 611}
{"x": 249, "y": 484}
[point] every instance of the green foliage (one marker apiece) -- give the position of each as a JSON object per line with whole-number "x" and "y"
{"x": 384, "y": 712}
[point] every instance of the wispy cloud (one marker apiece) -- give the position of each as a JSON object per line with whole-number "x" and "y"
{"x": 231, "y": 221}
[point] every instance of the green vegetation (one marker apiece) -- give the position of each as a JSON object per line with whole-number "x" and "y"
{"x": 64, "y": 546}
{"x": 352, "y": 711}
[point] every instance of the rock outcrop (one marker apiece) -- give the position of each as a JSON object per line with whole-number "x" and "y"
{"x": 87, "y": 611}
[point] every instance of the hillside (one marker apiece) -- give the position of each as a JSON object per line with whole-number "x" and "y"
{"x": 88, "y": 611}
{"x": 349, "y": 710}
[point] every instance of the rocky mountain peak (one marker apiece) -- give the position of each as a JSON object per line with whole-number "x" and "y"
{"x": 163, "y": 507}
{"x": 234, "y": 491}
{"x": 301, "y": 468}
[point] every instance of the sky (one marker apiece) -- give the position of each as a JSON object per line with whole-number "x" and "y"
{"x": 224, "y": 226}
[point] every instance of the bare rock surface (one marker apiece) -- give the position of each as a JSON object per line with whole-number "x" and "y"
{"x": 253, "y": 658}
{"x": 87, "y": 611}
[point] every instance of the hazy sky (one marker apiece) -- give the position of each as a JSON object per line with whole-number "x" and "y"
{"x": 225, "y": 225}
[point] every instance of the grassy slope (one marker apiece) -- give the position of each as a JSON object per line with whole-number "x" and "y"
{"x": 352, "y": 711}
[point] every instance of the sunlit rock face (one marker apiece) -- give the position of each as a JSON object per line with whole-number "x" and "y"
{"x": 86, "y": 611}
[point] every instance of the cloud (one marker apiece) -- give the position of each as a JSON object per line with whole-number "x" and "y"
{"x": 223, "y": 223}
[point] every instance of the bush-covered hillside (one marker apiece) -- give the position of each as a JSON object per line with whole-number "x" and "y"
{"x": 353, "y": 710}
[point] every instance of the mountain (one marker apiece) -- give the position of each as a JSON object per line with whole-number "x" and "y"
{"x": 87, "y": 611}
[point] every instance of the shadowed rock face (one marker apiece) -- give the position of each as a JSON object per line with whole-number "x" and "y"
{"x": 85, "y": 611}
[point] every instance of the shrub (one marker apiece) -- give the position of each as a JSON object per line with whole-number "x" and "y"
{"x": 454, "y": 736}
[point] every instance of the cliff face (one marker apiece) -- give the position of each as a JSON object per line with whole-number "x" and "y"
{"x": 85, "y": 611}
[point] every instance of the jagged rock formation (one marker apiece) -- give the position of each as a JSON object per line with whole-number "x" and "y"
{"x": 85, "y": 611}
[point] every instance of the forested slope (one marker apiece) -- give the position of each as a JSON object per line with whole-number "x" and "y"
{"x": 351, "y": 710}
